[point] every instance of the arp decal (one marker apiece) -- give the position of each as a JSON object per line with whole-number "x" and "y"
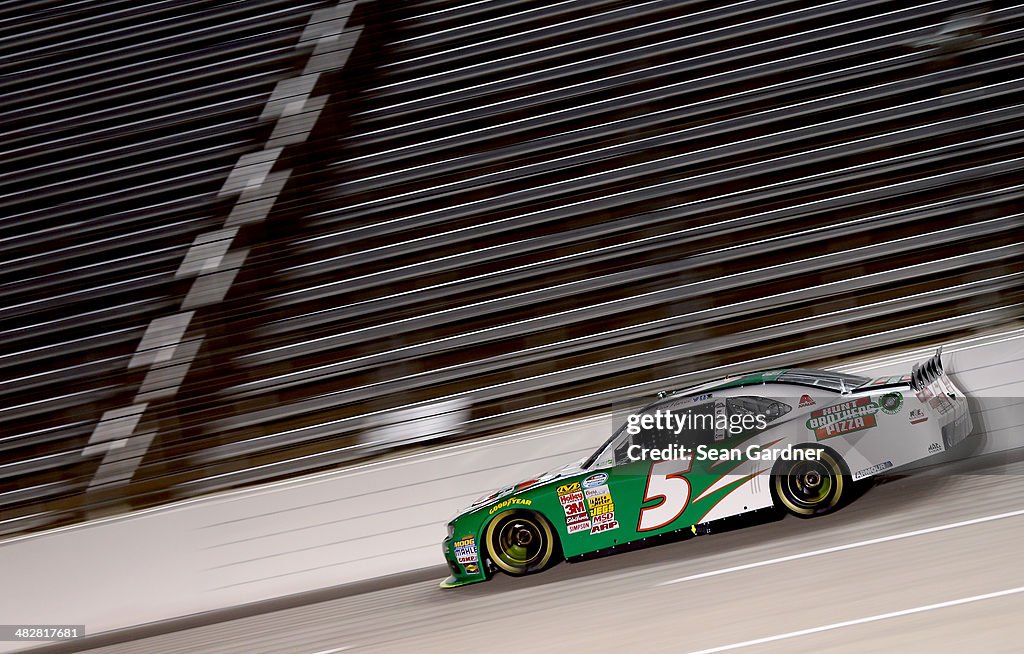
{"x": 596, "y": 479}
{"x": 604, "y": 522}
{"x": 843, "y": 418}
{"x": 465, "y": 550}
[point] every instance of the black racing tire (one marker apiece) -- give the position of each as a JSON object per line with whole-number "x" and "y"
{"x": 521, "y": 542}
{"x": 808, "y": 489}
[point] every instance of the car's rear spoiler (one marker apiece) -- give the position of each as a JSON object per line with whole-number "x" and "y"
{"x": 925, "y": 373}
{"x": 935, "y": 389}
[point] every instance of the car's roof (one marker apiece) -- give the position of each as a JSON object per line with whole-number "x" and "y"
{"x": 823, "y": 379}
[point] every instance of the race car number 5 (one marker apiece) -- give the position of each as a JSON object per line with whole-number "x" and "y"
{"x": 665, "y": 480}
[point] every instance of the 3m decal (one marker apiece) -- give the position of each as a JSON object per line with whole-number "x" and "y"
{"x": 465, "y": 550}
{"x": 891, "y": 403}
{"x": 575, "y": 508}
{"x": 843, "y": 418}
{"x": 806, "y": 400}
{"x": 596, "y": 479}
{"x": 665, "y": 482}
{"x": 512, "y": 501}
{"x": 867, "y": 472}
{"x": 917, "y": 416}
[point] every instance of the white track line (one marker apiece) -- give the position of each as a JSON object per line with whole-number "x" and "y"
{"x": 848, "y": 546}
{"x": 872, "y": 618}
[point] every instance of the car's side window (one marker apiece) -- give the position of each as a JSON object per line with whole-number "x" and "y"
{"x": 749, "y": 405}
{"x": 686, "y": 426}
{"x": 699, "y": 429}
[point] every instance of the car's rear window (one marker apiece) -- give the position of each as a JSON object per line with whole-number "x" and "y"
{"x": 829, "y": 380}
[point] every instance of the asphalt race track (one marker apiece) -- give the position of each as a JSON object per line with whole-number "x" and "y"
{"x": 922, "y": 563}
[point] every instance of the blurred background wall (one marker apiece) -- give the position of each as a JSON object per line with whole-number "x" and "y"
{"x": 241, "y": 241}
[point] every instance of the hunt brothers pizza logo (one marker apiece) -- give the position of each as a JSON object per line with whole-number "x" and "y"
{"x": 843, "y": 418}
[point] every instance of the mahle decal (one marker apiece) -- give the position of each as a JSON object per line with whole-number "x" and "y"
{"x": 465, "y": 550}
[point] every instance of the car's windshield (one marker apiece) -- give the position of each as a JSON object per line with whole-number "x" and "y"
{"x": 665, "y": 403}
{"x": 604, "y": 446}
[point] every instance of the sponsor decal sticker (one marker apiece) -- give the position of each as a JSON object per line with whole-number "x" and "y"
{"x": 568, "y": 488}
{"x": 596, "y": 479}
{"x": 604, "y": 525}
{"x": 701, "y": 398}
{"x": 933, "y": 448}
{"x": 465, "y": 550}
{"x": 891, "y": 403}
{"x": 806, "y": 400}
{"x": 570, "y": 499}
{"x": 578, "y": 526}
{"x": 878, "y": 467}
{"x": 602, "y": 509}
{"x": 512, "y": 501}
{"x": 574, "y": 504}
{"x": 917, "y": 416}
{"x": 471, "y": 568}
{"x": 843, "y": 418}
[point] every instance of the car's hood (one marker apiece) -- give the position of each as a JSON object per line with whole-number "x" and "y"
{"x": 567, "y": 470}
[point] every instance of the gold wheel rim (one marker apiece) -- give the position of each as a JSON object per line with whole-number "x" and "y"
{"x": 502, "y": 531}
{"x": 830, "y": 486}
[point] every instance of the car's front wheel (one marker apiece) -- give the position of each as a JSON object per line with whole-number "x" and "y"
{"x": 520, "y": 542}
{"x": 808, "y": 488}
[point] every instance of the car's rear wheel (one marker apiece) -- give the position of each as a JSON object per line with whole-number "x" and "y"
{"x": 520, "y": 542}
{"x": 808, "y": 488}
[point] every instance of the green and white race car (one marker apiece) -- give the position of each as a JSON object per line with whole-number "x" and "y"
{"x": 793, "y": 440}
